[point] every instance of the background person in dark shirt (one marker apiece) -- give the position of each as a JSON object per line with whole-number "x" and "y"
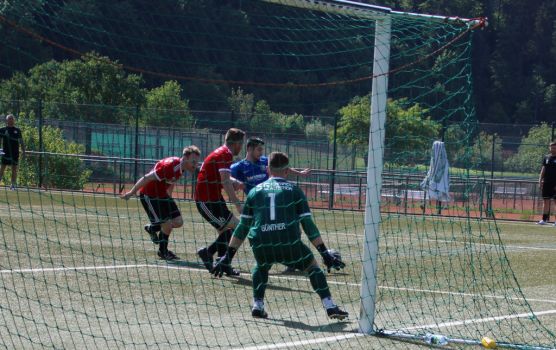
{"x": 11, "y": 140}
{"x": 547, "y": 183}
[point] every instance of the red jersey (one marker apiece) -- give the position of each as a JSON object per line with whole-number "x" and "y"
{"x": 209, "y": 186}
{"x": 167, "y": 172}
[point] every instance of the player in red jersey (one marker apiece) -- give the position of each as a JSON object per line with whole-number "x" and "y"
{"x": 155, "y": 191}
{"x": 214, "y": 176}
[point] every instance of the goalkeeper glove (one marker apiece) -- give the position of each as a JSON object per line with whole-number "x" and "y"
{"x": 331, "y": 258}
{"x": 223, "y": 263}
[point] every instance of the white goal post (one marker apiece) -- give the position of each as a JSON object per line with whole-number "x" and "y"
{"x": 379, "y": 95}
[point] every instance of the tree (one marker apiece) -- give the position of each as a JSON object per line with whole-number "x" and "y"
{"x": 531, "y": 150}
{"x": 54, "y": 169}
{"x": 80, "y": 90}
{"x": 482, "y": 156}
{"x": 409, "y": 131}
{"x": 166, "y": 108}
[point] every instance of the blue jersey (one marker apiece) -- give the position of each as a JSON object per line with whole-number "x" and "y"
{"x": 251, "y": 174}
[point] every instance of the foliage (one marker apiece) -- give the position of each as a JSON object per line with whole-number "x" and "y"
{"x": 62, "y": 172}
{"x": 242, "y": 105}
{"x": 482, "y": 156}
{"x": 529, "y": 154}
{"x": 409, "y": 131}
{"x": 78, "y": 90}
{"x": 316, "y": 129}
{"x": 166, "y": 108}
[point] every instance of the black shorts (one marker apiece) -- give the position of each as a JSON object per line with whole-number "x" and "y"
{"x": 548, "y": 190}
{"x": 216, "y": 213}
{"x": 6, "y": 160}
{"x": 160, "y": 210}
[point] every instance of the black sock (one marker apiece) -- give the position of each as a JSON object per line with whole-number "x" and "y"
{"x": 222, "y": 242}
{"x": 545, "y": 217}
{"x": 163, "y": 245}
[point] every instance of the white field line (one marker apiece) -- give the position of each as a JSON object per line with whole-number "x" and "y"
{"x": 294, "y": 344}
{"x": 310, "y": 341}
{"x": 482, "y": 320}
{"x": 428, "y": 326}
{"x": 77, "y": 268}
{"x": 202, "y": 270}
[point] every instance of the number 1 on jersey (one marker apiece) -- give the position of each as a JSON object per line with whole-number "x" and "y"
{"x": 272, "y": 197}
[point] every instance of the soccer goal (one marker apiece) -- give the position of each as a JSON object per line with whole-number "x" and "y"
{"x": 361, "y": 90}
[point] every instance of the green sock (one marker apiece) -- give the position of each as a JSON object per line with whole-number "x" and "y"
{"x": 260, "y": 281}
{"x": 318, "y": 281}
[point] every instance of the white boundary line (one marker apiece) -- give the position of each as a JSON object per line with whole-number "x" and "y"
{"x": 318, "y": 340}
{"x": 172, "y": 267}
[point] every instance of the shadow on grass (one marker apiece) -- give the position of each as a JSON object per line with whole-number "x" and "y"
{"x": 248, "y": 282}
{"x": 335, "y": 326}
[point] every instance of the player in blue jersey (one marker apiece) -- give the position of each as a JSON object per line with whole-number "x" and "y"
{"x": 252, "y": 170}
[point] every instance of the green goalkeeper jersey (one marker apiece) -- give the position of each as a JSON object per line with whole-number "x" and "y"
{"x": 272, "y": 214}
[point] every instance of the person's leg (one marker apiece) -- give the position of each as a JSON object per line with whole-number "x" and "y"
{"x": 169, "y": 211}
{"x": 318, "y": 282}
{"x": 2, "y": 169}
{"x": 260, "y": 282}
{"x": 545, "y": 211}
{"x": 14, "y": 176}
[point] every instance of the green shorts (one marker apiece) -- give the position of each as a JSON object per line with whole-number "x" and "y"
{"x": 296, "y": 255}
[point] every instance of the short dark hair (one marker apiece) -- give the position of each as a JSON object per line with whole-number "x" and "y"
{"x": 278, "y": 160}
{"x": 234, "y": 135}
{"x": 254, "y": 141}
{"x": 553, "y": 144}
{"x": 187, "y": 151}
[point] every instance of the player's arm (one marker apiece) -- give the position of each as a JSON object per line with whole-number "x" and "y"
{"x": 295, "y": 172}
{"x": 228, "y": 183}
{"x": 541, "y": 177}
{"x": 139, "y": 184}
{"x": 170, "y": 190}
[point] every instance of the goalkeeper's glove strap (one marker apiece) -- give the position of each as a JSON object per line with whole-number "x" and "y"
{"x": 322, "y": 248}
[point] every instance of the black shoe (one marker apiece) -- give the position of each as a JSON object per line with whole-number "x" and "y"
{"x": 169, "y": 255}
{"x": 336, "y": 313}
{"x": 206, "y": 258}
{"x": 152, "y": 233}
{"x": 259, "y": 313}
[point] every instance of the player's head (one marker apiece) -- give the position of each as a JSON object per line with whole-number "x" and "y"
{"x": 255, "y": 147}
{"x": 278, "y": 164}
{"x": 234, "y": 140}
{"x": 190, "y": 158}
{"x": 552, "y": 148}
{"x": 10, "y": 120}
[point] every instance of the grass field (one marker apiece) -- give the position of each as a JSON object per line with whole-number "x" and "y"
{"x": 78, "y": 271}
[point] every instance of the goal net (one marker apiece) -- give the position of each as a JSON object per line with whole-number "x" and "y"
{"x": 359, "y": 93}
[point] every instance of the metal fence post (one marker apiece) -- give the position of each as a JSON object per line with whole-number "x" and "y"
{"x": 333, "y": 173}
{"x": 41, "y": 145}
{"x": 136, "y": 164}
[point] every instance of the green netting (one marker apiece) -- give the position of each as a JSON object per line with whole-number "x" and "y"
{"x": 87, "y": 83}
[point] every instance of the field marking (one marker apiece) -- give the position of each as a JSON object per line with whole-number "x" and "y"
{"x": 77, "y": 268}
{"x": 319, "y": 340}
{"x": 306, "y": 280}
{"x": 428, "y": 326}
{"x": 302, "y": 342}
{"x": 482, "y": 320}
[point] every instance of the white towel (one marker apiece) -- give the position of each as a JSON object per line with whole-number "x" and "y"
{"x": 437, "y": 181}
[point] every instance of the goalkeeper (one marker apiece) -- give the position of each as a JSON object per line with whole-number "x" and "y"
{"x": 270, "y": 219}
